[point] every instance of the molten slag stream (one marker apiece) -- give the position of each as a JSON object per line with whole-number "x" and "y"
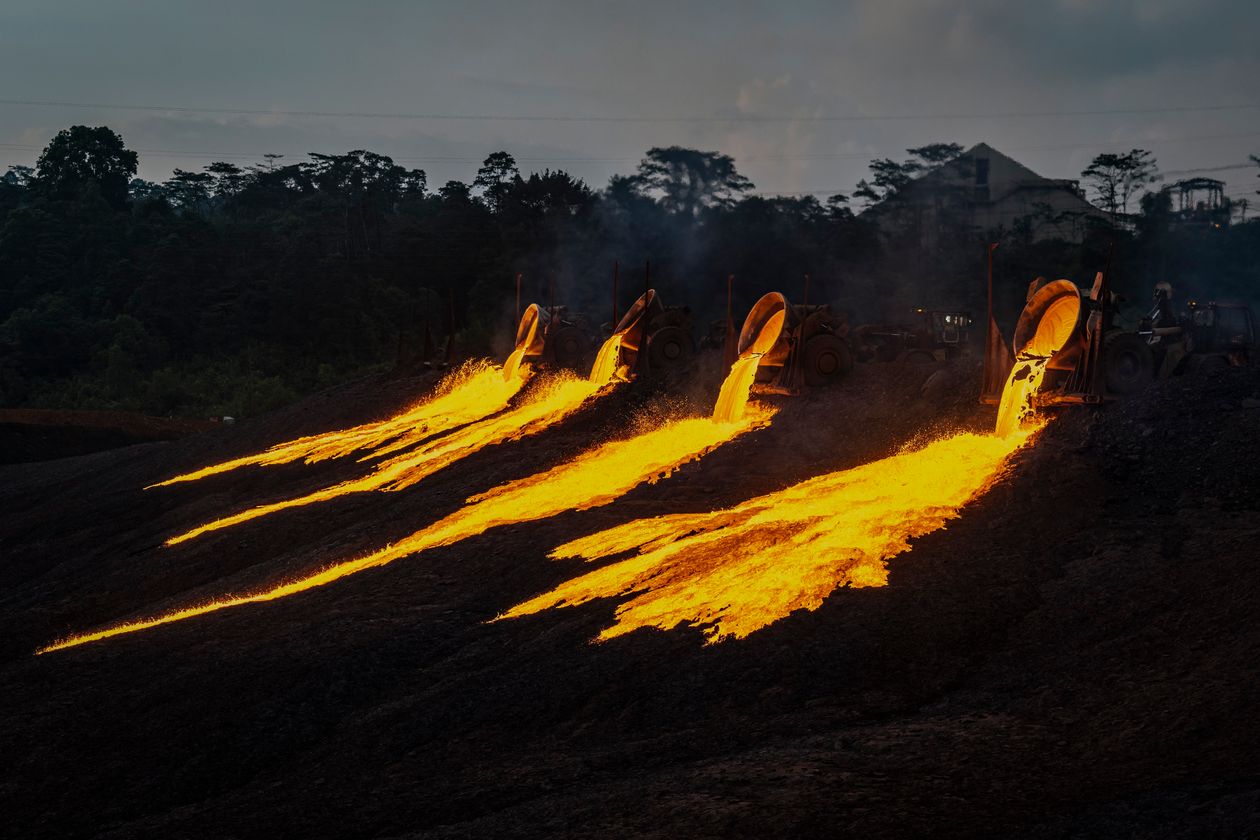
{"x": 605, "y": 367}
{"x": 474, "y": 391}
{"x": 730, "y": 572}
{"x": 551, "y": 404}
{"x": 597, "y": 477}
{"x": 734, "y": 394}
{"x": 737, "y": 570}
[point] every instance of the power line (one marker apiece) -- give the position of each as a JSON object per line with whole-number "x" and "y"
{"x": 636, "y": 159}
{"x": 734, "y": 118}
{"x": 1229, "y": 168}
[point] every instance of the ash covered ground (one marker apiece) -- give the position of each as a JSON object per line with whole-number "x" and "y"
{"x": 1077, "y": 655}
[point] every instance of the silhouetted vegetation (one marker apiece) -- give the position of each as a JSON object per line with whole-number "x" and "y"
{"x": 233, "y": 290}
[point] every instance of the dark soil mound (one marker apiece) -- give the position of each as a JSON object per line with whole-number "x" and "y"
{"x": 1077, "y": 655}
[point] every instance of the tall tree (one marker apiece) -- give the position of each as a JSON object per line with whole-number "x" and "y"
{"x": 935, "y": 154}
{"x": 82, "y": 156}
{"x": 1116, "y": 178}
{"x": 687, "y": 181}
{"x": 496, "y": 174}
{"x": 888, "y": 177}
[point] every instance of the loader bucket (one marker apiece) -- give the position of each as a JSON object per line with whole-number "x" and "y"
{"x": 767, "y": 330}
{"x": 634, "y": 324}
{"x": 531, "y": 331}
{"x": 1052, "y": 326}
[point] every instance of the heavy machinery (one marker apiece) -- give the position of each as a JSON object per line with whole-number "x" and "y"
{"x": 1205, "y": 338}
{"x": 551, "y": 337}
{"x": 798, "y": 345}
{"x": 1096, "y": 360}
{"x": 654, "y": 337}
{"x": 932, "y": 335}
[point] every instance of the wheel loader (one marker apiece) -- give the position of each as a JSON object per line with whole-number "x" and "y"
{"x": 798, "y": 345}
{"x": 933, "y": 335}
{"x": 655, "y": 337}
{"x": 1097, "y": 360}
{"x": 552, "y": 337}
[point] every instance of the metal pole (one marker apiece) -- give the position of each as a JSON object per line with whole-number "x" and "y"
{"x": 641, "y": 361}
{"x": 989, "y": 324}
{"x": 730, "y": 345}
{"x": 450, "y": 340}
{"x": 616, "y": 269}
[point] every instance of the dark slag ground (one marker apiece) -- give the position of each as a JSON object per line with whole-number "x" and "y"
{"x": 1077, "y": 656}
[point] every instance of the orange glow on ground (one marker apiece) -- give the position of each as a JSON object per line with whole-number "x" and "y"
{"x": 735, "y": 571}
{"x": 552, "y": 403}
{"x": 476, "y": 390}
{"x": 729, "y": 572}
{"x": 597, "y": 477}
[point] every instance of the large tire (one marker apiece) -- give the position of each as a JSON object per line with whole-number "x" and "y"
{"x": 1128, "y": 362}
{"x": 826, "y": 359}
{"x": 668, "y": 348}
{"x": 569, "y": 346}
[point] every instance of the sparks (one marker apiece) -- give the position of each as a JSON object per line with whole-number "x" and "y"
{"x": 735, "y": 571}
{"x": 474, "y": 391}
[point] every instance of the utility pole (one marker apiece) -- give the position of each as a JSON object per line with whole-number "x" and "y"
{"x": 730, "y": 344}
{"x": 641, "y": 361}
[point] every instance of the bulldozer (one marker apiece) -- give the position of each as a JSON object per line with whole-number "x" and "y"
{"x": 798, "y": 345}
{"x": 933, "y": 335}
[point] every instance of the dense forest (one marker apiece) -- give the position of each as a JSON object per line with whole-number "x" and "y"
{"x": 232, "y": 290}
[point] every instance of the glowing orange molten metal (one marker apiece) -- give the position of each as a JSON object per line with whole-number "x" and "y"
{"x": 594, "y": 478}
{"x": 476, "y": 390}
{"x": 734, "y": 394}
{"x": 730, "y": 572}
{"x": 1054, "y": 328}
{"x": 550, "y": 405}
{"x": 735, "y": 571}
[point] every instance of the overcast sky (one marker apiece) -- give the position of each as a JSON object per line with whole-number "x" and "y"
{"x": 763, "y": 82}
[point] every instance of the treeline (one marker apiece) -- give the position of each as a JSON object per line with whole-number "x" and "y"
{"x": 233, "y": 290}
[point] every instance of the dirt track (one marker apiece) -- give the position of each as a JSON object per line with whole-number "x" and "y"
{"x": 1076, "y": 656}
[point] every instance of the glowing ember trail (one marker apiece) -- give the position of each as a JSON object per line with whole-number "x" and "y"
{"x": 595, "y": 478}
{"x": 476, "y": 390}
{"x": 550, "y": 405}
{"x": 730, "y": 572}
{"x": 735, "y": 571}
{"x": 734, "y": 394}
